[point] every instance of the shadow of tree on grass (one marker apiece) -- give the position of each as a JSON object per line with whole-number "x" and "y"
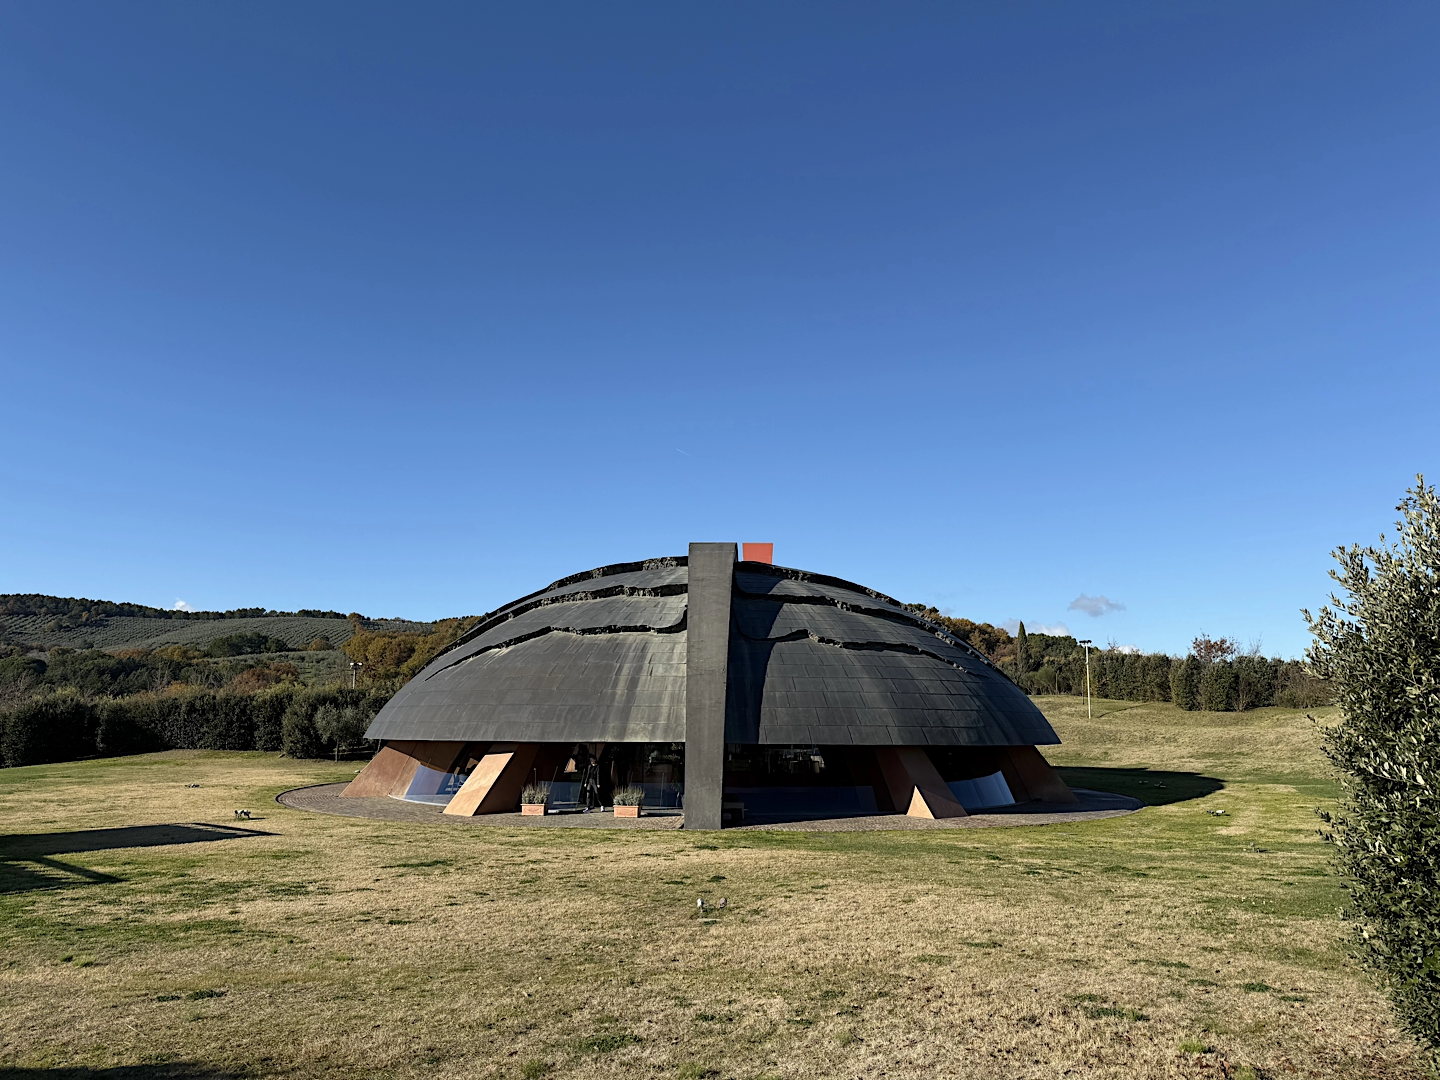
{"x": 1151, "y": 786}
{"x": 27, "y": 859}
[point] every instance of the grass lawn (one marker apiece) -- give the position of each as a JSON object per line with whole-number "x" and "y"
{"x": 1171, "y": 942}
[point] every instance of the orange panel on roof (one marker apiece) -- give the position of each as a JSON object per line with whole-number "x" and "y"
{"x": 758, "y": 553}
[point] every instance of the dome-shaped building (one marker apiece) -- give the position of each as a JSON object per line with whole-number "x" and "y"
{"x": 727, "y": 688}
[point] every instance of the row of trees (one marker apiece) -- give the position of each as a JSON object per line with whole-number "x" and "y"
{"x": 66, "y": 724}
{"x": 1214, "y": 675}
{"x": 1226, "y": 685}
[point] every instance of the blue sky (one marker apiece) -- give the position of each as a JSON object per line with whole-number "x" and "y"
{"x": 411, "y": 309}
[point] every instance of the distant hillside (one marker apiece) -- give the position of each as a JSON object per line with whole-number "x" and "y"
{"x": 127, "y": 632}
{"x": 46, "y": 621}
{"x": 73, "y": 611}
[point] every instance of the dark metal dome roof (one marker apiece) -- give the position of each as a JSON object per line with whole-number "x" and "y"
{"x": 600, "y": 656}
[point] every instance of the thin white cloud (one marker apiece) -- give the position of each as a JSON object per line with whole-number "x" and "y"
{"x": 181, "y": 605}
{"x": 1095, "y": 606}
{"x": 1127, "y": 648}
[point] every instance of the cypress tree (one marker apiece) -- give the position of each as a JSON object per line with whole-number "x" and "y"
{"x": 1022, "y": 652}
{"x": 1185, "y": 683}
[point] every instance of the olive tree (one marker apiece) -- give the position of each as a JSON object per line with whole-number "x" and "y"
{"x": 345, "y": 727}
{"x": 1379, "y": 645}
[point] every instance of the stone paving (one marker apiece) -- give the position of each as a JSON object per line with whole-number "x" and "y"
{"x": 325, "y": 799}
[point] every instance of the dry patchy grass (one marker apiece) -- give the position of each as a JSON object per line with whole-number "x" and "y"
{"x": 1169, "y": 943}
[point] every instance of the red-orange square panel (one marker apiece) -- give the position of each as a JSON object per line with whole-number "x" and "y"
{"x": 758, "y": 552}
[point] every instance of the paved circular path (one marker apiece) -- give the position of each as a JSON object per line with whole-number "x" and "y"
{"x": 325, "y": 799}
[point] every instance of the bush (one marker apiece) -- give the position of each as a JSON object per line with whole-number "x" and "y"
{"x": 1156, "y": 677}
{"x": 1298, "y": 687}
{"x": 629, "y": 796}
{"x": 342, "y": 727}
{"x": 535, "y": 793}
{"x": 1185, "y": 683}
{"x": 1044, "y": 681}
{"x": 1217, "y": 687}
{"x": 1254, "y": 682}
{"x": 268, "y": 709}
{"x": 126, "y": 726}
{"x": 222, "y": 720}
{"x": 56, "y": 727}
{"x": 245, "y": 643}
{"x": 263, "y": 676}
{"x": 298, "y": 737}
{"x": 1380, "y": 647}
{"x": 21, "y": 670}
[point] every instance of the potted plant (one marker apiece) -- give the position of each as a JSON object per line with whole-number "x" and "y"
{"x": 535, "y": 800}
{"x": 628, "y": 801}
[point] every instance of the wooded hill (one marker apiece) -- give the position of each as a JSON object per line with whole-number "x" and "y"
{"x": 38, "y": 623}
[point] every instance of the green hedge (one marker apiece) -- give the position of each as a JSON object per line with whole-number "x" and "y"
{"x": 64, "y": 725}
{"x": 56, "y": 727}
{"x": 1246, "y": 682}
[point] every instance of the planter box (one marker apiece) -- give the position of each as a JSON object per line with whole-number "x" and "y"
{"x": 533, "y": 809}
{"x": 627, "y": 811}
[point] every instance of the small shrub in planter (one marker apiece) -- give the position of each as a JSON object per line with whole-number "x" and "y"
{"x": 628, "y": 801}
{"x": 534, "y": 799}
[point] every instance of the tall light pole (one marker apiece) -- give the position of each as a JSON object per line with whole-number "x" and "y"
{"x": 354, "y": 667}
{"x": 1087, "y": 643}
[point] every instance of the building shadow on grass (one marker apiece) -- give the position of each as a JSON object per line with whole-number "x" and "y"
{"x": 173, "y": 1070}
{"x": 1151, "y": 786}
{"x": 27, "y": 860}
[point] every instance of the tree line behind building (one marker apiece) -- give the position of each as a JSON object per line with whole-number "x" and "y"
{"x": 1215, "y": 676}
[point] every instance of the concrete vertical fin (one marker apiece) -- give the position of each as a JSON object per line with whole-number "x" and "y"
{"x": 707, "y": 658}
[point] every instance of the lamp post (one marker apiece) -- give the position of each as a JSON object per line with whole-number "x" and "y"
{"x": 354, "y": 667}
{"x": 1087, "y": 643}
